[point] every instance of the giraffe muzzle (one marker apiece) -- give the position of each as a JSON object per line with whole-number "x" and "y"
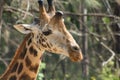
{"x": 75, "y": 54}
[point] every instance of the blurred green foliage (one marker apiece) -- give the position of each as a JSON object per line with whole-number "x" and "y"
{"x": 40, "y": 74}
{"x": 108, "y": 72}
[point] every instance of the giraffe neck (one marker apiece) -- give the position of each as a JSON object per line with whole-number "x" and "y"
{"x": 25, "y": 64}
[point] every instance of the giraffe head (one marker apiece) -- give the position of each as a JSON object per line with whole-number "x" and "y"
{"x": 54, "y": 37}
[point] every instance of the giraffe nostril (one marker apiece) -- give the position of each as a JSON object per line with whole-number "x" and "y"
{"x": 75, "y": 48}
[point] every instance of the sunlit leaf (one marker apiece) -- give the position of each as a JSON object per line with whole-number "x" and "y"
{"x": 106, "y": 20}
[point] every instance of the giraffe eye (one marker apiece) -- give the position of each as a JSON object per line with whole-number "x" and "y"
{"x": 48, "y": 32}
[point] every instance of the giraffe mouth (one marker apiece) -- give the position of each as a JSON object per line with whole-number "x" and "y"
{"x": 75, "y": 57}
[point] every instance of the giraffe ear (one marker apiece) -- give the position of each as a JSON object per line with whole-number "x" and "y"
{"x": 23, "y": 28}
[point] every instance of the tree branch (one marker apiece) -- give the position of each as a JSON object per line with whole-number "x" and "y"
{"x": 1, "y": 11}
{"x": 27, "y": 9}
{"x": 5, "y": 63}
{"x": 110, "y": 50}
{"x": 92, "y": 14}
{"x": 12, "y": 9}
{"x": 69, "y": 13}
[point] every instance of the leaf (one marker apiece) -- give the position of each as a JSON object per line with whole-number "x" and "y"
{"x": 106, "y": 20}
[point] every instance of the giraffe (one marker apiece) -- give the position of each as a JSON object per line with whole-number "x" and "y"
{"x": 54, "y": 37}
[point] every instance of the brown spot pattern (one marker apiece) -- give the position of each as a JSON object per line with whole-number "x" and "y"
{"x": 28, "y": 62}
{"x": 15, "y": 67}
{"x": 54, "y": 49}
{"x": 13, "y": 77}
{"x": 44, "y": 45}
{"x": 67, "y": 41}
{"x": 39, "y": 41}
{"x": 20, "y": 68}
{"x": 43, "y": 40}
{"x": 33, "y": 51}
{"x": 29, "y": 41}
{"x": 34, "y": 68}
{"x": 24, "y": 76}
{"x": 22, "y": 55}
{"x": 48, "y": 45}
